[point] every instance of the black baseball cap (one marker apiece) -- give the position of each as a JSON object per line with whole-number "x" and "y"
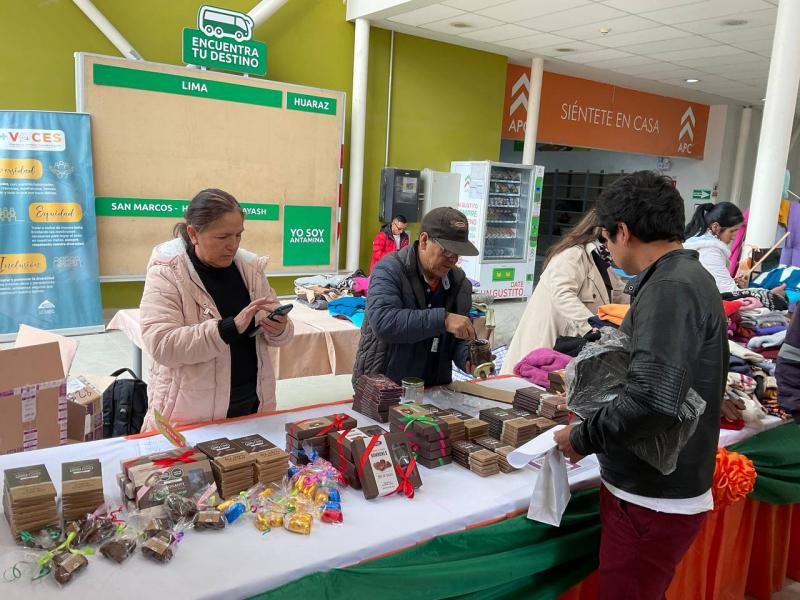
{"x": 450, "y": 229}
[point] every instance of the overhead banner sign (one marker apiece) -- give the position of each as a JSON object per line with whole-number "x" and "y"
{"x": 48, "y": 243}
{"x": 590, "y": 114}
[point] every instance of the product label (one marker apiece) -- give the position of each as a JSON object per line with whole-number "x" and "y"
{"x": 28, "y": 404}
{"x": 380, "y": 462}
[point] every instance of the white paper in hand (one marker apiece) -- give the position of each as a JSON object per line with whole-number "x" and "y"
{"x": 533, "y": 449}
{"x": 550, "y": 490}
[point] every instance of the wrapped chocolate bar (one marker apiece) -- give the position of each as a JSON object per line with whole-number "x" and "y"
{"x": 427, "y": 435}
{"x": 386, "y": 465}
{"x": 81, "y": 488}
{"x": 119, "y": 547}
{"x": 232, "y": 466}
{"x": 66, "y": 565}
{"x": 476, "y": 458}
{"x": 299, "y": 522}
{"x": 180, "y": 508}
{"x": 209, "y": 518}
{"x": 160, "y": 547}
{"x": 271, "y": 463}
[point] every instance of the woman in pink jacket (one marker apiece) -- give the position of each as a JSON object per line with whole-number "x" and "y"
{"x": 203, "y": 298}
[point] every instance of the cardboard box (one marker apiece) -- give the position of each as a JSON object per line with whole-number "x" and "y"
{"x": 379, "y": 477}
{"x": 33, "y": 398}
{"x": 85, "y": 406}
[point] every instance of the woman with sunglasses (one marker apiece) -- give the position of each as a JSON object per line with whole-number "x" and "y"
{"x": 576, "y": 281}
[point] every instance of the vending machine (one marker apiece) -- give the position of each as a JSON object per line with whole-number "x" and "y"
{"x": 501, "y": 202}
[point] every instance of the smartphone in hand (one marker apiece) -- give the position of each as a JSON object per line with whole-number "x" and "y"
{"x": 282, "y": 310}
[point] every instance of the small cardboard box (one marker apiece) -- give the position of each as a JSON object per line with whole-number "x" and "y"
{"x": 85, "y": 406}
{"x": 33, "y": 398}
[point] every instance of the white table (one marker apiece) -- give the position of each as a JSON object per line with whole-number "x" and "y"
{"x": 239, "y": 562}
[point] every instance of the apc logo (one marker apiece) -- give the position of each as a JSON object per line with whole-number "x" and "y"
{"x": 687, "y": 132}
{"x": 519, "y": 93}
{"x": 50, "y": 140}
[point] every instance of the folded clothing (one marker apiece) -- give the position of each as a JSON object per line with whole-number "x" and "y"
{"x": 613, "y": 312}
{"x": 744, "y": 353}
{"x": 731, "y": 307}
{"x": 538, "y": 364}
{"x": 600, "y": 323}
{"x": 769, "y": 330}
{"x": 767, "y": 341}
{"x": 350, "y": 307}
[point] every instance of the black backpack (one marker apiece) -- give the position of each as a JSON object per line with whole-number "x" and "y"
{"x": 124, "y": 405}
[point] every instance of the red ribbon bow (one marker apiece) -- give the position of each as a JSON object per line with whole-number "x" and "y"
{"x": 365, "y": 457}
{"x": 338, "y": 423}
{"x": 405, "y": 486}
{"x": 166, "y": 463}
{"x": 342, "y": 462}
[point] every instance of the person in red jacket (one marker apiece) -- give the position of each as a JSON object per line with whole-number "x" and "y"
{"x": 391, "y": 238}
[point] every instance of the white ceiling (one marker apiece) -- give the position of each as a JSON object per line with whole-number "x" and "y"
{"x": 654, "y": 45}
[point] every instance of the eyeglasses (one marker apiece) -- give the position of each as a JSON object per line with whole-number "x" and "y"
{"x": 447, "y": 255}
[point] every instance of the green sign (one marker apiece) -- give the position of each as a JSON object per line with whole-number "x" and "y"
{"x": 534, "y": 236}
{"x": 519, "y": 146}
{"x": 701, "y": 194}
{"x": 187, "y": 86}
{"x": 306, "y": 235}
{"x": 172, "y": 209}
{"x": 506, "y": 274}
{"x": 305, "y": 102}
{"x": 241, "y": 57}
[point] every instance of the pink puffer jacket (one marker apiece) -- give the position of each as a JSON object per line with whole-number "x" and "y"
{"x": 190, "y": 375}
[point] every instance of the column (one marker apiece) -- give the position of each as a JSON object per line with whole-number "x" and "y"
{"x": 534, "y": 99}
{"x": 776, "y": 127}
{"x": 741, "y": 150}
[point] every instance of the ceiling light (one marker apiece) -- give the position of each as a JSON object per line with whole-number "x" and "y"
{"x": 605, "y": 30}
{"x": 692, "y": 81}
{"x": 734, "y": 22}
{"x": 460, "y": 25}
{"x": 565, "y": 49}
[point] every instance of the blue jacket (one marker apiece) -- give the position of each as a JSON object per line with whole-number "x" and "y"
{"x": 398, "y": 327}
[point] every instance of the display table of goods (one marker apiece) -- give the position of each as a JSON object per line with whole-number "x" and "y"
{"x": 165, "y": 526}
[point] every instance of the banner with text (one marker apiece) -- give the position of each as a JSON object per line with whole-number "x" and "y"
{"x": 590, "y": 114}
{"x": 48, "y": 243}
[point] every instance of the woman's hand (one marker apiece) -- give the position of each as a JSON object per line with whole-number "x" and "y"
{"x": 275, "y": 326}
{"x": 742, "y": 280}
{"x": 244, "y": 318}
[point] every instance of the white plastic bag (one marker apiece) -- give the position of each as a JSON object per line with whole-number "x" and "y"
{"x": 551, "y": 490}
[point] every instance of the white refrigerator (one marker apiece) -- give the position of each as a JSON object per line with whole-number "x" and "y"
{"x": 502, "y": 203}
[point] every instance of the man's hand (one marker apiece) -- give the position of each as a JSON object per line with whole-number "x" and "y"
{"x": 460, "y": 326}
{"x": 732, "y": 409}
{"x": 562, "y": 440}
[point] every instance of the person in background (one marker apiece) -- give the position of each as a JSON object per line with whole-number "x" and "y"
{"x": 391, "y": 238}
{"x": 203, "y": 298}
{"x": 415, "y": 323}
{"x": 576, "y": 281}
{"x": 787, "y": 371}
{"x": 710, "y": 233}
{"x": 678, "y": 334}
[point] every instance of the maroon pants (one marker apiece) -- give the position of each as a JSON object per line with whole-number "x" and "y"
{"x": 640, "y": 548}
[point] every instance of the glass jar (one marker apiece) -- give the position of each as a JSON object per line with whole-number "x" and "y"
{"x": 413, "y": 390}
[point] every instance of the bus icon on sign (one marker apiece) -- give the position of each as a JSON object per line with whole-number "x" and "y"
{"x": 224, "y": 23}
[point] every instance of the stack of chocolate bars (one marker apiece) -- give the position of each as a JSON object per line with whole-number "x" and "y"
{"x": 271, "y": 463}
{"x": 428, "y": 436}
{"x": 454, "y": 422}
{"x": 232, "y": 466}
{"x": 476, "y": 458}
{"x": 81, "y": 488}
{"x": 502, "y": 450}
{"x": 544, "y": 404}
{"x": 387, "y": 467}
{"x": 341, "y": 453}
{"x": 29, "y": 500}
{"x": 495, "y": 417}
{"x": 311, "y": 436}
{"x": 374, "y": 395}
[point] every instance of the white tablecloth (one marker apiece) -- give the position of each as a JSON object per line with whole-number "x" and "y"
{"x": 239, "y": 561}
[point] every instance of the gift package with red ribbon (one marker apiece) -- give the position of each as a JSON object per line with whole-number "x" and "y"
{"x": 427, "y": 435}
{"x": 341, "y": 450}
{"x": 146, "y": 481}
{"x": 232, "y": 466}
{"x": 271, "y": 463}
{"x": 310, "y": 436}
{"x": 385, "y": 465}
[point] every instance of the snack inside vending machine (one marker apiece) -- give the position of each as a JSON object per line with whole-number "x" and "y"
{"x": 502, "y": 203}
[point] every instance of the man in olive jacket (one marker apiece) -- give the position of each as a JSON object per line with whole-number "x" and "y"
{"x": 678, "y": 334}
{"x": 415, "y": 323}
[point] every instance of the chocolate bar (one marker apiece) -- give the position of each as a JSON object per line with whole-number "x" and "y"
{"x": 385, "y": 461}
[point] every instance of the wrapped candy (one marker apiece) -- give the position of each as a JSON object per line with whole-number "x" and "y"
{"x": 119, "y": 548}
{"x": 66, "y": 565}
{"x": 179, "y": 507}
{"x": 209, "y": 518}
{"x": 234, "y": 511}
{"x": 331, "y": 512}
{"x": 299, "y": 522}
{"x": 160, "y": 547}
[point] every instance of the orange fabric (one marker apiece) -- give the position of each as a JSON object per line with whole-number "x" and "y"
{"x": 613, "y": 312}
{"x": 783, "y": 213}
{"x": 734, "y": 478}
{"x": 747, "y": 548}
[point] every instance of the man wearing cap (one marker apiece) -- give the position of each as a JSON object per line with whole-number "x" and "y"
{"x": 415, "y": 323}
